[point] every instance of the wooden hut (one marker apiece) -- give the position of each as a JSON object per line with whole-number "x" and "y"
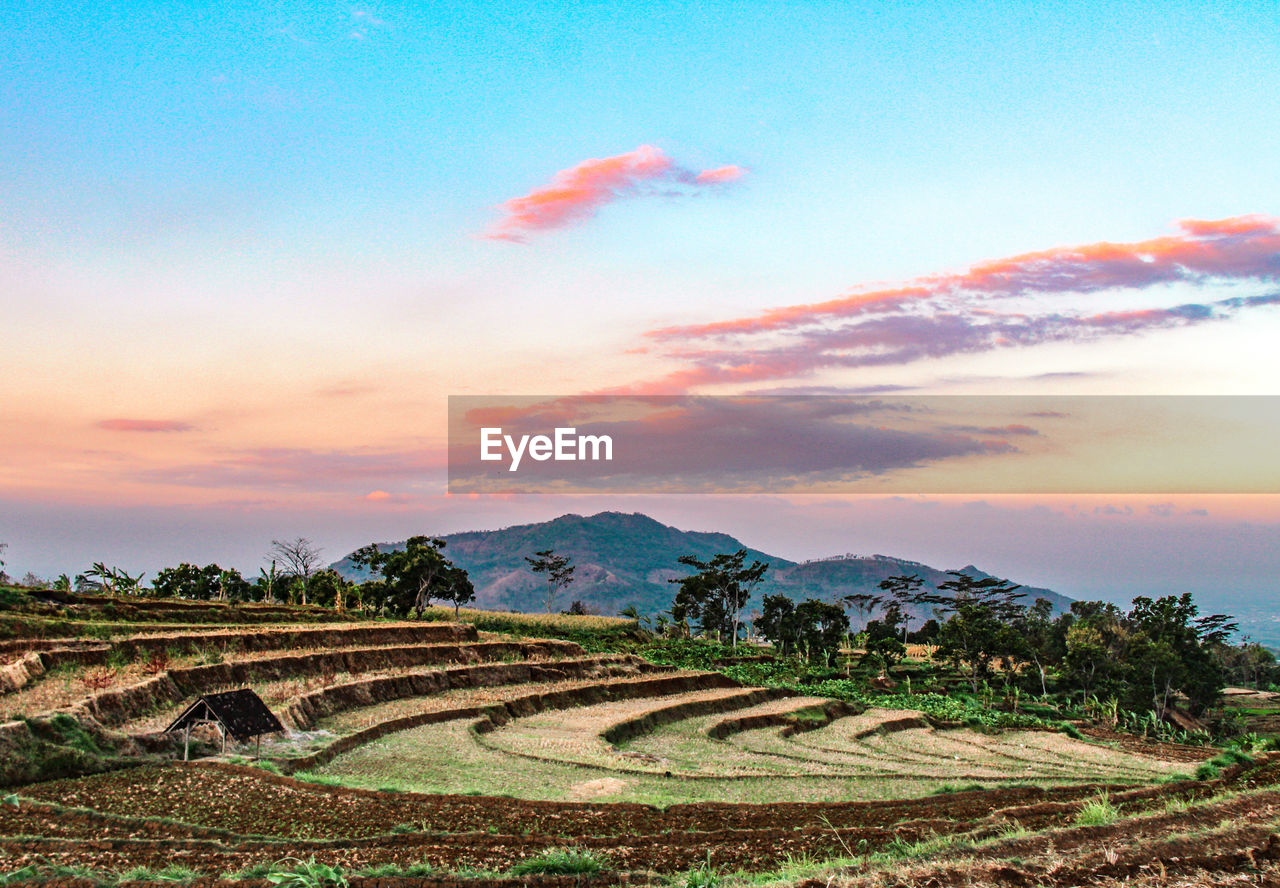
{"x": 241, "y": 713}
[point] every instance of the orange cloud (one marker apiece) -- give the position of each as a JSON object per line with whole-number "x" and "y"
{"x": 1239, "y": 248}
{"x": 969, "y": 312}
{"x": 730, "y": 173}
{"x": 576, "y": 193}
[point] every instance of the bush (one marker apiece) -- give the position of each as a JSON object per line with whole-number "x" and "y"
{"x": 559, "y": 862}
{"x": 1208, "y": 771}
{"x": 294, "y": 873}
{"x": 1098, "y": 812}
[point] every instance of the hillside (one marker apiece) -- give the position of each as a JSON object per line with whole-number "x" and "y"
{"x": 626, "y": 559}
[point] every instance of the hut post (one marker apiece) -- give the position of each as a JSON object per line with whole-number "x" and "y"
{"x": 223, "y": 729}
{"x": 186, "y": 744}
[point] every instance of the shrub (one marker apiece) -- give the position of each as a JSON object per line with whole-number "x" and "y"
{"x": 99, "y": 679}
{"x": 156, "y": 662}
{"x": 1070, "y": 730}
{"x": 1231, "y": 757}
{"x": 1098, "y": 812}
{"x": 294, "y": 873}
{"x": 559, "y": 862}
{"x": 1208, "y": 771}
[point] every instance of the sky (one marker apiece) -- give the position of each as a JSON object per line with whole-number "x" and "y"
{"x": 247, "y": 252}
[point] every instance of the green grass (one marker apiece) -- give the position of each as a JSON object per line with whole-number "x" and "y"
{"x": 174, "y": 873}
{"x": 559, "y": 862}
{"x": 318, "y": 779}
{"x": 292, "y": 872}
{"x": 1097, "y": 812}
{"x": 37, "y": 874}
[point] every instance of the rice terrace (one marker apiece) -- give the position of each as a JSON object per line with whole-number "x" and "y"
{"x": 450, "y": 746}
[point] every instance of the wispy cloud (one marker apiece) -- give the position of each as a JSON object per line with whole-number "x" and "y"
{"x": 574, "y": 194}
{"x": 992, "y": 305}
{"x": 144, "y": 425}
{"x": 730, "y": 173}
{"x": 296, "y": 468}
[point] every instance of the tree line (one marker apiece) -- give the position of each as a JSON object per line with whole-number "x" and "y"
{"x": 1158, "y": 651}
{"x": 402, "y": 581}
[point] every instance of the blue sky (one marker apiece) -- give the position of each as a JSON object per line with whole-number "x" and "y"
{"x": 240, "y": 236}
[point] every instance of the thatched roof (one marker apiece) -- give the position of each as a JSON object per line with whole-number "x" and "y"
{"x": 241, "y": 713}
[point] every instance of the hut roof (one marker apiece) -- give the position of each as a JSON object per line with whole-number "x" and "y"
{"x": 242, "y": 713}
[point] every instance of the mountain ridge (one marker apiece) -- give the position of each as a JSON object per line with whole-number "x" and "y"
{"x": 625, "y": 559}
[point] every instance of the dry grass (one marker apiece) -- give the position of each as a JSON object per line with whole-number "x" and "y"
{"x": 575, "y": 735}
{"x": 494, "y": 620}
{"x": 456, "y": 698}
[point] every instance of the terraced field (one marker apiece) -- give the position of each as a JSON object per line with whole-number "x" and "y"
{"x": 709, "y": 742}
{"x": 219, "y": 818}
{"x": 465, "y": 750}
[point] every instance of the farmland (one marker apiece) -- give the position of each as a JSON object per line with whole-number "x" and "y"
{"x": 486, "y": 747}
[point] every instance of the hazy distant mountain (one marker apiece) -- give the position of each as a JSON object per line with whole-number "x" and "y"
{"x": 626, "y": 559}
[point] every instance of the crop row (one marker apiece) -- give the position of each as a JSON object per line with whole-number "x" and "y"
{"x": 489, "y": 717}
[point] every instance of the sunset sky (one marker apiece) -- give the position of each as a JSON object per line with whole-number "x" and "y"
{"x": 247, "y": 251}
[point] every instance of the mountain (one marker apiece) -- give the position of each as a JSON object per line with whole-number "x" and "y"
{"x": 626, "y": 559}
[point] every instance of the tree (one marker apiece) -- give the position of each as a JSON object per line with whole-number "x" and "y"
{"x": 208, "y": 583}
{"x": 189, "y": 581}
{"x": 1045, "y": 642}
{"x": 1093, "y": 647}
{"x": 108, "y": 580}
{"x": 414, "y": 575}
{"x": 4, "y": 577}
{"x": 979, "y": 630}
{"x": 1170, "y": 652}
{"x": 777, "y": 624}
{"x": 558, "y": 568}
{"x": 814, "y": 628}
{"x": 822, "y": 626}
{"x": 864, "y": 603}
{"x": 1248, "y": 665}
{"x": 906, "y": 592}
{"x": 267, "y": 582}
{"x": 329, "y": 589}
{"x": 456, "y": 588}
{"x": 882, "y": 643}
{"x": 301, "y": 557}
{"x": 98, "y": 578}
{"x": 718, "y": 592}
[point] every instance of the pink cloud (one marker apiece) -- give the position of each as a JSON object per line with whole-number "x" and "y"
{"x": 144, "y": 425}
{"x": 1239, "y": 248}
{"x": 382, "y": 496}
{"x": 965, "y": 312}
{"x": 730, "y": 173}
{"x": 576, "y": 193}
